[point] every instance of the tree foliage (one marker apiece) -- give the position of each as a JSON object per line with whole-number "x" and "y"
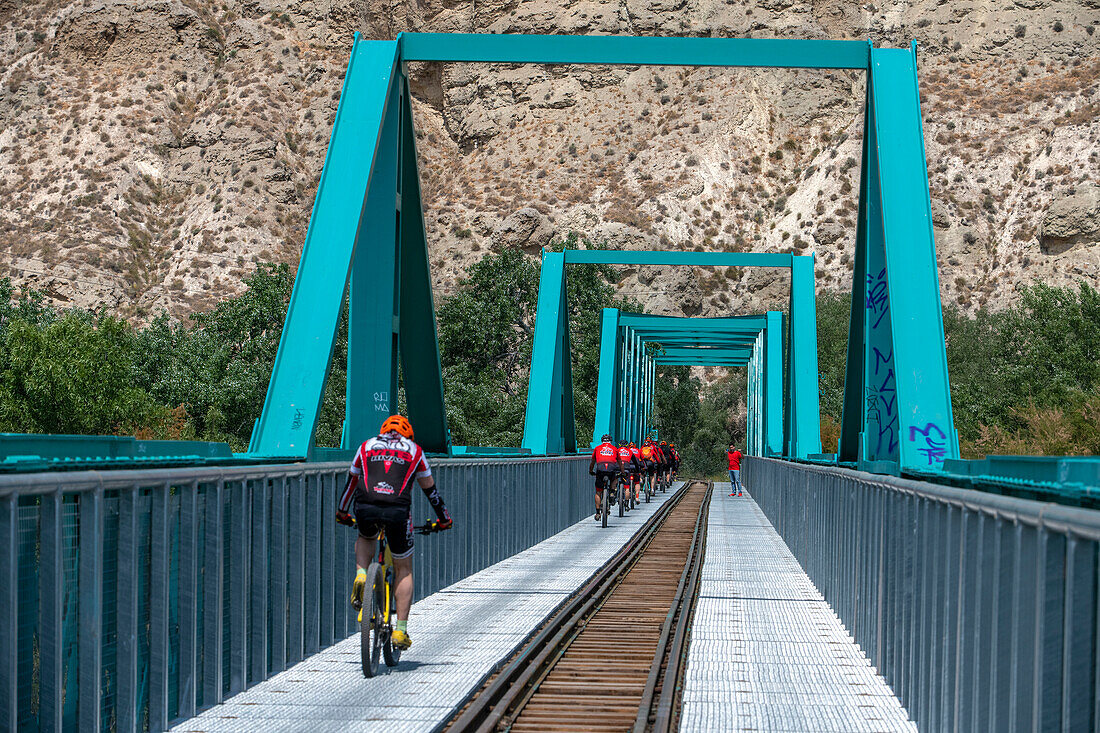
{"x": 1025, "y": 379}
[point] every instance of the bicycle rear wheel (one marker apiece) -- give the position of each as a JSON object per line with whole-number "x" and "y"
{"x": 621, "y": 497}
{"x": 605, "y": 504}
{"x": 372, "y": 627}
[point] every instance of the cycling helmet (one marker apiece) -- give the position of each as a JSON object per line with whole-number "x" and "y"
{"x": 397, "y": 424}
{"x": 606, "y": 438}
{"x": 632, "y": 444}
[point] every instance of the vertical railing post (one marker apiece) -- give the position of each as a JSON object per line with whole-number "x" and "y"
{"x": 187, "y": 684}
{"x": 90, "y": 583}
{"x": 213, "y": 594}
{"x": 258, "y": 580}
{"x": 51, "y": 588}
{"x": 126, "y": 698}
{"x": 239, "y": 525}
{"x": 158, "y": 609}
{"x": 9, "y": 612}
{"x": 278, "y": 610}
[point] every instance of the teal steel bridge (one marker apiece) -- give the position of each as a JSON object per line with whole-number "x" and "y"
{"x": 145, "y": 580}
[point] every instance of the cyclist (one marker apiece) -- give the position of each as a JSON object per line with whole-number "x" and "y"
{"x": 649, "y": 457}
{"x": 639, "y": 466}
{"x": 675, "y": 459}
{"x": 626, "y": 458}
{"x": 734, "y": 457}
{"x": 666, "y": 456}
{"x": 379, "y": 482}
{"x": 606, "y": 467}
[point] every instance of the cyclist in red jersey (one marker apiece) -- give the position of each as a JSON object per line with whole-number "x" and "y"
{"x": 380, "y": 484}
{"x": 606, "y": 467}
{"x": 626, "y": 458}
{"x": 639, "y": 467}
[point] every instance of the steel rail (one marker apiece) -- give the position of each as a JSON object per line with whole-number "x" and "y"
{"x": 681, "y": 610}
{"x": 491, "y": 706}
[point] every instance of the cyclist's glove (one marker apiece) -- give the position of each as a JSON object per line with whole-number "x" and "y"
{"x": 438, "y": 525}
{"x": 345, "y": 518}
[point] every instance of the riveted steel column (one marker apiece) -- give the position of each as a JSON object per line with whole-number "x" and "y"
{"x": 606, "y": 421}
{"x": 805, "y": 407}
{"x": 339, "y": 220}
{"x": 371, "y": 391}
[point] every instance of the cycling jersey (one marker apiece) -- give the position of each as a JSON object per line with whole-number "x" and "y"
{"x": 627, "y": 458}
{"x": 606, "y": 456}
{"x": 387, "y": 465}
{"x": 648, "y": 452}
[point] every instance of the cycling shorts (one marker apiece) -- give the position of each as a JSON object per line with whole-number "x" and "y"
{"x": 395, "y": 520}
{"x": 651, "y": 467}
{"x": 605, "y": 477}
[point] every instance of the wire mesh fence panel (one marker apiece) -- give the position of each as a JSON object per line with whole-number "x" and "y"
{"x": 981, "y": 610}
{"x": 139, "y": 598}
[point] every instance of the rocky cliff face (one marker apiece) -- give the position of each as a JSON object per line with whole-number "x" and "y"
{"x": 152, "y": 151}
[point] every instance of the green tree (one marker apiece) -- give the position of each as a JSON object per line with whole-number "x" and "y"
{"x": 485, "y": 346}
{"x": 72, "y": 374}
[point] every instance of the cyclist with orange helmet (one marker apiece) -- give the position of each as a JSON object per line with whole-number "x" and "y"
{"x": 639, "y": 468}
{"x": 675, "y": 459}
{"x": 380, "y": 484}
{"x": 606, "y": 466}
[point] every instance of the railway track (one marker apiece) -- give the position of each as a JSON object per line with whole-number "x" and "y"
{"x": 611, "y": 658}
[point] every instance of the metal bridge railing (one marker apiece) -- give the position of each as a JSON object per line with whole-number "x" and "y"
{"x": 979, "y": 610}
{"x": 129, "y": 599}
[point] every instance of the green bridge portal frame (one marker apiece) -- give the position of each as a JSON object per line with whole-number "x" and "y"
{"x": 628, "y": 363}
{"x": 366, "y": 239}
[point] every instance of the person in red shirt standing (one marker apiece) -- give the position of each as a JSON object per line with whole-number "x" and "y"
{"x": 606, "y": 467}
{"x": 734, "y": 457}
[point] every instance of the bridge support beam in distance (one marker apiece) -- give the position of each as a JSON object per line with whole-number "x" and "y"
{"x": 802, "y": 426}
{"x": 755, "y": 342}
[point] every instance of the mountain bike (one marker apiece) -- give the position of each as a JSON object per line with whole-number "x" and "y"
{"x": 377, "y": 610}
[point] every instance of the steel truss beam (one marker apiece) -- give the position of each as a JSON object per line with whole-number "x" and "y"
{"x": 636, "y": 344}
{"x": 367, "y": 233}
{"x": 548, "y": 430}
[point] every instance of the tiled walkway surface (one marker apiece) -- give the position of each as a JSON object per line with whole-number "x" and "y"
{"x": 459, "y": 634}
{"x": 767, "y": 652}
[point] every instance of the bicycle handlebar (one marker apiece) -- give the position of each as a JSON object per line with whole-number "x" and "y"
{"x": 427, "y": 529}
